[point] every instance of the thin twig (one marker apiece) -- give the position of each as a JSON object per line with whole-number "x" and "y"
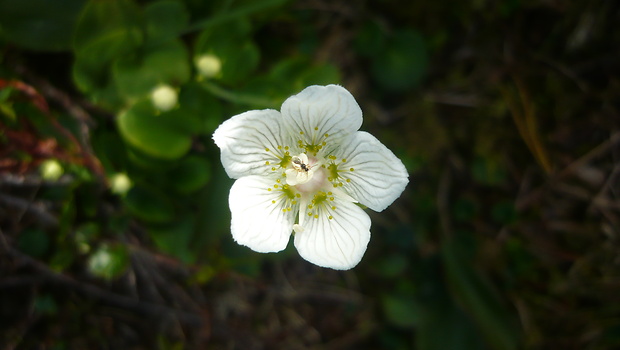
{"x": 46, "y": 275}
{"x": 42, "y": 215}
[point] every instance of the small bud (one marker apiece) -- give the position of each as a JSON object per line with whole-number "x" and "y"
{"x": 120, "y": 183}
{"x": 51, "y": 170}
{"x": 208, "y": 65}
{"x": 164, "y": 97}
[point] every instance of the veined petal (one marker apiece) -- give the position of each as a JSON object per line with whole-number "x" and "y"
{"x": 377, "y": 177}
{"x": 335, "y": 238}
{"x": 249, "y": 142}
{"x": 321, "y": 112}
{"x": 261, "y": 219}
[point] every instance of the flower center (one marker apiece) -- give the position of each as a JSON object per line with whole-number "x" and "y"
{"x": 302, "y": 172}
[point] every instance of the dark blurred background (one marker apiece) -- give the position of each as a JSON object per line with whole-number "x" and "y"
{"x": 114, "y": 221}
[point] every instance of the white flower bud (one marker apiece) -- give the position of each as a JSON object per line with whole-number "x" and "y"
{"x": 208, "y": 65}
{"x": 120, "y": 183}
{"x": 164, "y": 97}
{"x": 51, "y": 170}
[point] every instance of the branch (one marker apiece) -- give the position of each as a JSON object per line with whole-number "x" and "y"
{"x": 46, "y": 275}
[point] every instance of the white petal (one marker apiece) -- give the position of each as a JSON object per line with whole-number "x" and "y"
{"x": 321, "y": 110}
{"x": 257, "y": 222}
{"x": 378, "y": 178}
{"x": 338, "y": 243}
{"x": 245, "y": 138}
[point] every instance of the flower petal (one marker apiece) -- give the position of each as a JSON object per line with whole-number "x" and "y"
{"x": 378, "y": 176}
{"x": 338, "y": 243}
{"x": 321, "y": 110}
{"x": 258, "y": 222}
{"x": 249, "y": 142}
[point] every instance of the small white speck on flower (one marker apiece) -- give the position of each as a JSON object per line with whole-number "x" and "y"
{"x": 303, "y": 170}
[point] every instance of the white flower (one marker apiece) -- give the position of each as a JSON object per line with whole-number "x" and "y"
{"x": 303, "y": 169}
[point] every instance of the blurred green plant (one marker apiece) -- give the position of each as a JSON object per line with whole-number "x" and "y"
{"x": 169, "y": 78}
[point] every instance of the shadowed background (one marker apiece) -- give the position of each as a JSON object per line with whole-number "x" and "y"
{"x": 113, "y": 203}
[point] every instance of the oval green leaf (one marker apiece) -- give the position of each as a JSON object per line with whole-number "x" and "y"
{"x": 191, "y": 175}
{"x": 148, "y": 205}
{"x": 157, "y": 135}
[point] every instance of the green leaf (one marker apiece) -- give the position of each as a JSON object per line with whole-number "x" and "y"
{"x": 165, "y": 64}
{"x": 145, "y": 164}
{"x": 40, "y": 24}
{"x": 157, "y": 135}
{"x": 108, "y": 261}
{"x": 149, "y": 205}
{"x": 475, "y": 293}
{"x": 89, "y": 75}
{"x": 175, "y": 238}
{"x": 237, "y": 14}
{"x": 191, "y": 175}
{"x": 112, "y": 23}
{"x": 105, "y": 31}
{"x": 165, "y": 20}
{"x": 201, "y": 111}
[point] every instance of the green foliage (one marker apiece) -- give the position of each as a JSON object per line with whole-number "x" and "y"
{"x": 190, "y": 175}
{"x": 40, "y": 24}
{"x": 175, "y": 238}
{"x": 136, "y": 76}
{"x": 165, "y": 20}
{"x": 149, "y": 205}
{"x": 155, "y": 134}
